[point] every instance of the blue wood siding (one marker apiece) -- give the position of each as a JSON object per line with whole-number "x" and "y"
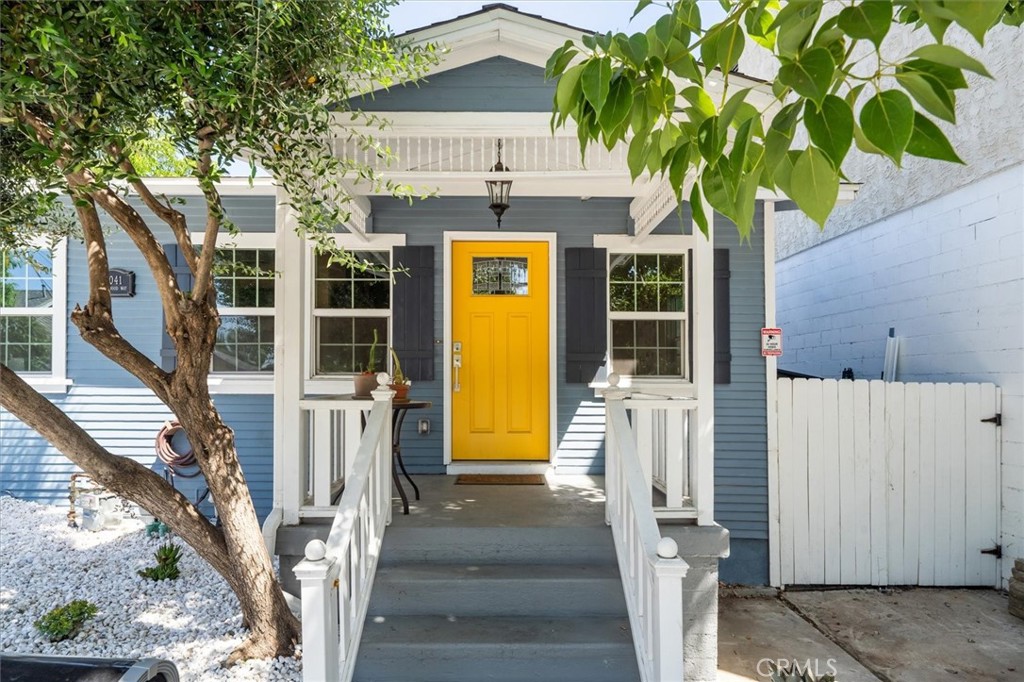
{"x": 580, "y": 424}
{"x": 112, "y": 405}
{"x": 495, "y": 84}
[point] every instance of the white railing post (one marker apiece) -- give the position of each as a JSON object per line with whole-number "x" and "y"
{"x": 318, "y": 574}
{"x": 384, "y": 394}
{"x": 669, "y": 571}
{"x": 611, "y": 454}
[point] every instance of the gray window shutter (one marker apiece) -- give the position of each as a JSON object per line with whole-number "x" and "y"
{"x": 168, "y": 354}
{"x": 723, "y": 340}
{"x": 412, "y": 310}
{"x": 586, "y": 313}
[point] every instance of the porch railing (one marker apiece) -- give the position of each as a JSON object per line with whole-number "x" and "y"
{"x": 337, "y": 575}
{"x": 330, "y": 433}
{"x": 662, "y": 434}
{"x": 652, "y": 572}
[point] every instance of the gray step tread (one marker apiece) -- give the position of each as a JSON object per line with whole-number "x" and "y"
{"x": 508, "y": 634}
{"x": 431, "y": 571}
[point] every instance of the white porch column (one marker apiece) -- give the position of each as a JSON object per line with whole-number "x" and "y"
{"x": 703, "y": 433}
{"x": 289, "y": 362}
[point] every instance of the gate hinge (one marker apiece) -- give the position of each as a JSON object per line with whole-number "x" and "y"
{"x": 996, "y": 551}
{"x": 997, "y": 420}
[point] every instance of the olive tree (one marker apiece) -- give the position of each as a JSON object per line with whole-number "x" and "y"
{"x": 836, "y": 86}
{"x": 84, "y": 84}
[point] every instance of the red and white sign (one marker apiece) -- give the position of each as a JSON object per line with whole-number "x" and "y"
{"x": 771, "y": 341}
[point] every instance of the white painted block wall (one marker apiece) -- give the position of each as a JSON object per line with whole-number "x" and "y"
{"x": 948, "y": 274}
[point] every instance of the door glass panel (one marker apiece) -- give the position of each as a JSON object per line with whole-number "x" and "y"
{"x": 500, "y": 276}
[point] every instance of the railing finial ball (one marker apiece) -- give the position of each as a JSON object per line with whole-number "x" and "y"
{"x": 383, "y": 379}
{"x": 613, "y": 379}
{"x": 316, "y": 550}
{"x": 667, "y": 548}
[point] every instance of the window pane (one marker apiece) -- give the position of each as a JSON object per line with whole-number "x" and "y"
{"x": 622, "y": 297}
{"x": 495, "y": 276}
{"x": 622, "y": 333}
{"x": 647, "y": 297}
{"x": 671, "y": 268}
{"x": 670, "y": 298}
{"x": 623, "y": 268}
{"x": 244, "y": 278}
{"x": 26, "y": 342}
{"x": 647, "y": 347}
{"x": 343, "y": 344}
{"x": 354, "y": 287}
{"x": 26, "y": 282}
{"x": 245, "y": 343}
{"x": 647, "y": 268}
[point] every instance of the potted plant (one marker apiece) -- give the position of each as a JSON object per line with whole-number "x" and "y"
{"x": 399, "y": 382}
{"x": 366, "y": 381}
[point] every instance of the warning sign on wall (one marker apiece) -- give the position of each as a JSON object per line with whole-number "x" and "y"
{"x": 771, "y": 341}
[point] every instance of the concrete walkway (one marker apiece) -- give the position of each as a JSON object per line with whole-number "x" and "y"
{"x": 914, "y": 635}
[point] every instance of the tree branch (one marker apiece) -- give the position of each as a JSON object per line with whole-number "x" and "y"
{"x": 214, "y": 213}
{"x": 96, "y": 253}
{"x": 121, "y": 475}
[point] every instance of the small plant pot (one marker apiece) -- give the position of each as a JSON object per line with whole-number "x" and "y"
{"x": 364, "y": 384}
{"x": 401, "y": 391}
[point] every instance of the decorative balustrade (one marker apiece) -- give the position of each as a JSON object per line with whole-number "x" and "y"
{"x": 337, "y": 575}
{"x": 477, "y": 154}
{"x": 652, "y": 572}
{"x": 330, "y": 434}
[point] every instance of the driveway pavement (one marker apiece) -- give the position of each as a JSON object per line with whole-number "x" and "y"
{"x": 914, "y": 635}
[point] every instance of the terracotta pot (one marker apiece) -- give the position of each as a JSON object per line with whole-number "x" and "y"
{"x": 365, "y": 383}
{"x": 401, "y": 391}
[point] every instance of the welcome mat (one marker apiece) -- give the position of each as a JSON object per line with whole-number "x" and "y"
{"x": 500, "y": 479}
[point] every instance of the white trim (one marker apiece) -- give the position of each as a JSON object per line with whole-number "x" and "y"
{"x": 703, "y": 352}
{"x": 552, "y": 239}
{"x": 491, "y": 466}
{"x": 241, "y": 383}
{"x": 463, "y": 124}
{"x": 227, "y": 187}
{"x": 771, "y": 403}
{"x": 658, "y": 243}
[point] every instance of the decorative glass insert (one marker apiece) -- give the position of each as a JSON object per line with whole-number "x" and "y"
{"x": 26, "y": 342}
{"x": 647, "y": 347}
{"x": 244, "y": 278}
{"x": 646, "y": 283}
{"x": 500, "y": 276}
{"x": 354, "y": 287}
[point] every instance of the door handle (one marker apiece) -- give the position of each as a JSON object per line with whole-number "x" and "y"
{"x": 456, "y": 366}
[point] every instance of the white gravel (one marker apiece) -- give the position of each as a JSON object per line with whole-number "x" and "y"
{"x": 193, "y": 621}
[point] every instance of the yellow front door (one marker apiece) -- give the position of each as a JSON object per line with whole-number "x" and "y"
{"x": 500, "y": 350}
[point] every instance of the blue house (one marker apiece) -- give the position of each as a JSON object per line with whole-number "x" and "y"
{"x": 510, "y": 332}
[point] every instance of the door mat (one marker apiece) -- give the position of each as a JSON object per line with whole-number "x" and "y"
{"x": 500, "y": 479}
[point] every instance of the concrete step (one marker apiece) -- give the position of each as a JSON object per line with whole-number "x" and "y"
{"x": 503, "y": 649}
{"x": 591, "y": 545}
{"x": 548, "y": 590}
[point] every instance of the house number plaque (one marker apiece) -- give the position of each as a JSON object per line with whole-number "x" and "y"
{"x": 122, "y": 283}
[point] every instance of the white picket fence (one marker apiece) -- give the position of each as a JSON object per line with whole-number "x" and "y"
{"x": 886, "y": 483}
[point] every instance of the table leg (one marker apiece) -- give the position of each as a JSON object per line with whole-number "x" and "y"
{"x": 398, "y": 484}
{"x": 401, "y": 464}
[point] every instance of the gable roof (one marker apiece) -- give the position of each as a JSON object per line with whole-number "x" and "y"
{"x": 490, "y": 8}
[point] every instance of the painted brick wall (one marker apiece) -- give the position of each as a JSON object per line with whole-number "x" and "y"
{"x": 949, "y": 276}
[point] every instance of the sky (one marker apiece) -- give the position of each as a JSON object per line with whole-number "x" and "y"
{"x": 596, "y": 15}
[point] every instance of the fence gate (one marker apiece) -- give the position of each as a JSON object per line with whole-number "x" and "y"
{"x": 887, "y": 483}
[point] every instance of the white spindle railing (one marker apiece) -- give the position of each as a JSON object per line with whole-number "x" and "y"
{"x": 662, "y": 432}
{"x": 652, "y": 572}
{"x": 337, "y": 575}
{"x": 331, "y": 430}
{"x": 465, "y": 154}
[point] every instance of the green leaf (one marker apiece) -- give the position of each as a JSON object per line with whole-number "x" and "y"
{"x": 869, "y": 20}
{"x": 596, "y": 80}
{"x": 711, "y": 140}
{"x": 949, "y": 76}
{"x": 568, "y": 89}
{"x": 888, "y": 121}
{"x": 863, "y": 144}
{"x": 810, "y": 74}
{"x": 640, "y": 7}
{"x": 638, "y": 44}
{"x": 831, "y": 127}
{"x": 929, "y": 93}
{"x": 685, "y": 66}
{"x": 677, "y": 167}
{"x": 929, "y": 142}
{"x": 700, "y": 100}
{"x": 636, "y": 157}
{"x": 977, "y": 16}
{"x": 732, "y": 107}
{"x": 950, "y": 56}
{"x": 757, "y": 20}
{"x": 618, "y": 106}
{"x": 559, "y": 59}
{"x": 795, "y": 23}
{"x": 730, "y": 47}
{"x": 814, "y": 185}
{"x": 697, "y": 209}
{"x": 709, "y": 50}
